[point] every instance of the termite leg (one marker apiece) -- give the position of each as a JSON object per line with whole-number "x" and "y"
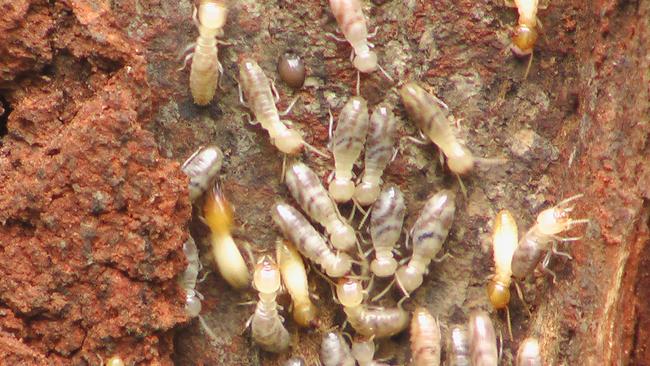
{"x": 275, "y": 91}
{"x": 220, "y": 68}
{"x": 401, "y": 287}
{"x": 444, "y": 256}
{"x": 530, "y": 62}
{"x": 293, "y": 102}
{"x": 209, "y": 331}
{"x": 416, "y": 140}
{"x": 373, "y": 33}
{"x": 241, "y": 95}
{"x": 334, "y": 37}
{"x": 363, "y": 220}
{"x": 520, "y": 294}
{"x": 250, "y": 121}
{"x": 315, "y": 150}
{"x": 284, "y": 168}
{"x": 462, "y": 186}
{"x": 401, "y": 301}
{"x": 395, "y": 151}
{"x": 384, "y": 291}
{"x": 354, "y": 210}
{"x": 247, "y": 324}
{"x": 331, "y": 125}
{"x": 386, "y": 75}
{"x": 555, "y": 251}
{"x": 564, "y": 239}
{"x": 185, "y": 61}
{"x": 509, "y": 324}
{"x": 545, "y": 268}
{"x": 195, "y": 18}
{"x": 358, "y": 82}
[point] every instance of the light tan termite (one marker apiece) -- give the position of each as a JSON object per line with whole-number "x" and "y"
{"x": 482, "y": 340}
{"x": 308, "y": 191}
{"x": 427, "y": 236}
{"x": 379, "y": 151}
{"x": 529, "y": 353}
{"x": 266, "y": 324}
{"x": 202, "y": 167}
{"x": 349, "y": 16}
{"x": 347, "y": 142}
{"x": 526, "y": 33}
{"x": 187, "y": 279}
{"x": 334, "y": 351}
{"x": 504, "y": 244}
{"x": 294, "y": 278}
{"x": 386, "y": 223}
{"x": 364, "y": 352}
{"x": 369, "y": 322}
{"x": 308, "y": 241}
{"x": 425, "y": 339}
{"x": 458, "y": 349}
{"x": 541, "y": 238}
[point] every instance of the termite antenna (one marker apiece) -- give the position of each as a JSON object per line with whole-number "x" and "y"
{"x": 384, "y": 291}
{"x": 530, "y": 62}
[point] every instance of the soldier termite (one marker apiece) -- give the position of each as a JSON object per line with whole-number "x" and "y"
{"x": 347, "y": 142}
{"x": 364, "y": 352}
{"x": 307, "y": 190}
{"x": 483, "y": 341}
{"x": 525, "y": 34}
{"x": 217, "y": 214}
{"x": 529, "y": 353}
{"x": 379, "y": 151}
{"x": 385, "y": 229}
{"x": 187, "y": 279}
{"x": 266, "y": 324}
{"x": 294, "y": 278}
{"x": 202, "y": 167}
{"x": 425, "y": 339}
{"x": 375, "y": 322}
{"x": 308, "y": 241}
{"x": 334, "y": 351}
{"x": 427, "y": 235}
{"x": 459, "y": 347}
{"x": 538, "y": 239}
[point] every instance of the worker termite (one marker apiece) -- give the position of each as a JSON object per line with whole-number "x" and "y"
{"x": 217, "y": 214}
{"x": 364, "y": 352}
{"x": 294, "y": 278}
{"x": 295, "y": 361}
{"x": 538, "y": 238}
{"x": 375, "y": 322}
{"x": 385, "y": 229}
{"x": 308, "y": 241}
{"x": 525, "y": 34}
{"x": 425, "y": 339}
{"x": 187, "y": 279}
{"x": 201, "y": 168}
{"x": 334, "y": 351}
{"x": 347, "y": 142}
{"x": 482, "y": 341}
{"x": 529, "y": 353}
{"x": 307, "y": 190}
{"x": 427, "y": 235}
{"x": 266, "y": 324}
{"x": 459, "y": 347}
{"x": 379, "y": 151}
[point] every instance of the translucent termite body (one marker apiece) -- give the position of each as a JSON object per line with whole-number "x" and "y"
{"x": 295, "y": 361}
{"x": 529, "y": 353}
{"x": 459, "y": 347}
{"x": 204, "y": 74}
{"x": 386, "y": 223}
{"x": 369, "y": 322}
{"x": 347, "y": 142}
{"x": 266, "y": 325}
{"x": 538, "y": 239}
{"x": 187, "y": 279}
{"x": 379, "y": 151}
{"x": 349, "y": 16}
{"x": 257, "y": 89}
{"x": 307, "y": 190}
{"x": 334, "y": 351}
{"x": 525, "y": 35}
{"x": 504, "y": 244}
{"x": 115, "y": 361}
{"x": 364, "y": 352}
{"x": 308, "y": 241}
{"x": 482, "y": 340}
{"x": 218, "y": 215}
{"x": 202, "y": 167}
{"x": 294, "y": 278}
{"x": 425, "y": 339}
{"x": 427, "y": 235}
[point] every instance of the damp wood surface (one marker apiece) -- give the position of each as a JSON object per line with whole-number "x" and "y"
{"x": 94, "y": 210}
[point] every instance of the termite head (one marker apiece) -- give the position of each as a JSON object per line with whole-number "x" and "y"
{"x": 499, "y": 294}
{"x": 289, "y": 142}
{"x": 365, "y": 61}
{"x": 343, "y": 236}
{"x": 305, "y": 314}
{"x": 115, "y": 361}
{"x": 266, "y": 278}
{"x": 363, "y": 351}
{"x": 341, "y": 190}
{"x": 409, "y": 278}
{"x": 217, "y": 211}
{"x": 523, "y": 40}
{"x": 192, "y": 304}
{"x": 349, "y": 292}
{"x": 383, "y": 265}
{"x": 212, "y": 14}
{"x": 366, "y": 193}
{"x": 460, "y": 159}
{"x": 338, "y": 265}
{"x": 556, "y": 219}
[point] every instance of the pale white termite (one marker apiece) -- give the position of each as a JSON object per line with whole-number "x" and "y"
{"x": 425, "y": 339}
{"x": 205, "y": 70}
{"x": 187, "y": 279}
{"x": 427, "y": 235}
{"x": 459, "y": 347}
{"x": 379, "y": 151}
{"x": 482, "y": 340}
{"x": 538, "y": 239}
{"x": 525, "y": 34}
{"x": 529, "y": 353}
{"x": 202, "y": 167}
{"x": 369, "y": 322}
{"x": 347, "y": 142}
{"x": 217, "y": 214}
{"x": 334, "y": 351}
{"x": 364, "y": 352}
{"x": 294, "y": 278}
{"x": 308, "y": 241}
{"x": 386, "y": 223}
{"x": 504, "y": 244}
{"x": 308, "y": 191}
{"x": 295, "y": 361}
{"x": 266, "y": 324}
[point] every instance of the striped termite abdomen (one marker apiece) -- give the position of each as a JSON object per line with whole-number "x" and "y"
{"x": 350, "y": 18}
{"x": 266, "y": 327}
{"x": 347, "y": 142}
{"x": 482, "y": 340}
{"x": 529, "y": 353}
{"x": 504, "y": 244}
{"x": 379, "y": 151}
{"x": 459, "y": 347}
{"x": 425, "y": 338}
{"x": 294, "y": 277}
{"x": 386, "y": 223}
{"x": 334, "y": 351}
{"x": 202, "y": 167}
{"x": 187, "y": 279}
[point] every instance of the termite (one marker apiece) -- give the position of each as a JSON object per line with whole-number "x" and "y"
{"x": 295, "y": 361}
{"x": 202, "y": 167}
{"x": 205, "y": 69}
{"x": 482, "y": 340}
{"x": 347, "y": 142}
{"x": 538, "y": 239}
{"x": 525, "y": 34}
{"x": 218, "y": 215}
{"x": 294, "y": 278}
{"x": 308, "y": 241}
{"x": 369, "y": 322}
{"x": 385, "y": 229}
{"x": 334, "y": 351}
{"x": 529, "y": 353}
{"x": 308, "y": 191}
{"x": 187, "y": 279}
{"x": 364, "y": 351}
{"x": 266, "y": 324}
{"x": 379, "y": 151}
{"x": 425, "y": 339}
{"x": 115, "y": 361}
{"x": 427, "y": 235}
{"x": 459, "y": 347}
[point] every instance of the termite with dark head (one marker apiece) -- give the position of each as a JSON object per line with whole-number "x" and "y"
{"x": 187, "y": 279}
{"x": 334, "y": 351}
{"x": 526, "y": 34}
{"x": 425, "y": 339}
{"x": 529, "y": 353}
{"x": 385, "y": 229}
{"x": 266, "y": 324}
{"x": 294, "y": 277}
{"x": 202, "y": 167}
{"x": 504, "y": 244}
{"x": 483, "y": 340}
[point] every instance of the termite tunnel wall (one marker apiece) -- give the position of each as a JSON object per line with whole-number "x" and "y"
{"x": 95, "y": 120}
